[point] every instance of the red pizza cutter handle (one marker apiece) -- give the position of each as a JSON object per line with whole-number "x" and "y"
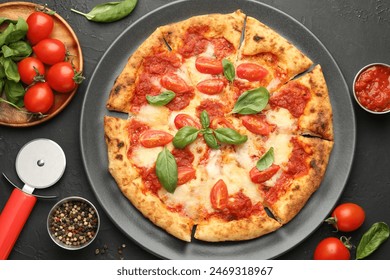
{"x": 12, "y": 219}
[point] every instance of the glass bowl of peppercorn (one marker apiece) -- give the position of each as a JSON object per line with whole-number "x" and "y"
{"x": 73, "y": 223}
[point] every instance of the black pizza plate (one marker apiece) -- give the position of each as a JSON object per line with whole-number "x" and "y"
{"x": 155, "y": 240}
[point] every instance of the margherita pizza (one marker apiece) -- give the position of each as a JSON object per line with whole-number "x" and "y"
{"x": 221, "y": 137}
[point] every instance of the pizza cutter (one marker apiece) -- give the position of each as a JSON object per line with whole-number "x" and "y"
{"x": 39, "y": 164}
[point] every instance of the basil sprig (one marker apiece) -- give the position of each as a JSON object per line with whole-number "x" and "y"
{"x": 162, "y": 99}
{"x": 266, "y": 160}
{"x": 228, "y": 70}
{"x": 252, "y": 101}
{"x": 188, "y": 134}
{"x": 372, "y": 239}
{"x": 166, "y": 170}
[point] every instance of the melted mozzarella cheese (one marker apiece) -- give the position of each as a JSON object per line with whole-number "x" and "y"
{"x": 145, "y": 157}
{"x": 282, "y": 147}
{"x": 155, "y": 116}
{"x": 244, "y": 153}
{"x": 282, "y": 118}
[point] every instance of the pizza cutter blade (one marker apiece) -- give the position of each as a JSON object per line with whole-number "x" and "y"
{"x": 39, "y": 164}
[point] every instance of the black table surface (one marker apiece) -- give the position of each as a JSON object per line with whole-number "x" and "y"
{"x": 356, "y": 33}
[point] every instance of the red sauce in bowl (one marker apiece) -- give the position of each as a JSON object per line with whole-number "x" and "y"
{"x": 372, "y": 88}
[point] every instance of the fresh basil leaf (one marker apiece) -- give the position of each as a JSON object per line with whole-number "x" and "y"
{"x": 185, "y": 136}
{"x": 204, "y": 119}
{"x": 162, "y": 99}
{"x": 2, "y": 71}
{"x": 110, "y": 11}
{"x": 14, "y": 32}
{"x": 7, "y": 20}
{"x": 2, "y": 83}
{"x": 17, "y": 50}
{"x": 210, "y": 140}
{"x": 372, "y": 239}
{"x": 14, "y": 92}
{"x": 229, "y": 136}
{"x": 228, "y": 70}
{"x": 252, "y": 101}
{"x": 266, "y": 160}
{"x": 166, "y": 170}
{"x": 10, "y": 69}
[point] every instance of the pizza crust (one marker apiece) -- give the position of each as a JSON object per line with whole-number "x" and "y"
{"x": 317, "y": 119}
{"x": 228, "y": 26}
{"x": 216, "y": 229}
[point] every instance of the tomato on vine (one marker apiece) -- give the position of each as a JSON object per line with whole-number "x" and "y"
{"x": 347, "y": 217}
{"x": 40, "y": 26}
{"x": 50, "y": 51}
{"x": 62, "y": 77}
{"x": 31, "y": 70}
{"x": 39, "y": 98}
{"x": 332, "y": 248}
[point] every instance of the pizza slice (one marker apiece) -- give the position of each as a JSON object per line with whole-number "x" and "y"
{"x": 138, "y": 184}
{"x": 298, "y": 179}
{"x": 266, "y": 58}
{"x": 302, "y": 106}
{"x": 152, "y": 70}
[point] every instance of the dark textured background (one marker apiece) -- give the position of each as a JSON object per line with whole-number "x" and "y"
{"x": 356, "y": 33}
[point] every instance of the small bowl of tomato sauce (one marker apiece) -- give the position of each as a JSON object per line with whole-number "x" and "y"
{"x": 371, "y": 88}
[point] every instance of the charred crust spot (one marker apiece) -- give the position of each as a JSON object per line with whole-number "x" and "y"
{"x": 312, "y": 110}
{"x": 257, "y": 38}
{"x": 117, "y": 89}
{"x": 119, "y": 157}
{"x": 296, "y": 188}
{"x": 313, "y": 164}
{"x": 120, "y": 144}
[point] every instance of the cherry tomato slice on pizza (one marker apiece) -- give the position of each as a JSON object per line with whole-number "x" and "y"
{"x": 211, "y": 86}
{"x": 219, "y": 122}
{"x": 175, "y": 83}
{"x": 257, "y": 124}
{"x": 219, "y": 195}
{"x": 185, "y": 174}
{"x": 182, "y": 120}
{"x": 258, "y": 176}
{"x": 209, "y": 65}
{"x": 251, "y": 72}
{"x": 154, "y": 138}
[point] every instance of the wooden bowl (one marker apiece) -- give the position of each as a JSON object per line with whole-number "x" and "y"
{"x": 10, "y": 116}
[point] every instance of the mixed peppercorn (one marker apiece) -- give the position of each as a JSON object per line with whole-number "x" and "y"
{"x": 74, "y": 223}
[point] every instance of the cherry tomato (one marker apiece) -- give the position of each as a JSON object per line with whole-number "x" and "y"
{"x": 347, "y": 217}
{"x": 154, "y": 138}
{"x": 40, "y": 26}
{"x": 257, "y": 124}
{"x": 258, "y": 176}
{"x": 28, "y": 68}
{"x": 50, "y": 51}
{"x": 251, "y": 72}
{"x": 182, "y": 120}
{"x": 208, "y": 65}
{"x": 219, "y": 195}
{"x": 331, "y": 248}
{"x": 185, "y": 174}
{"x": 175, "y": 83}
{"x": 39, "y": 98}
{"x": 61, "y": 77}
{"x": 211, "y": 86}
{"x": 218, "y": 122}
